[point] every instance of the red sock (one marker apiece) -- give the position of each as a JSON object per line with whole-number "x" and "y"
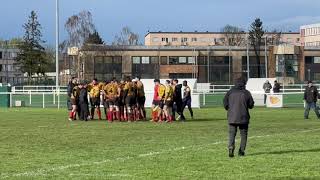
{"x": 114, "y": 115}
{"x": 74, "y": 115}
{"x": 71, "y": 114}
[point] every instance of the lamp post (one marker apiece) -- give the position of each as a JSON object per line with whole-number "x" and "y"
{"x": 57, "y": 44}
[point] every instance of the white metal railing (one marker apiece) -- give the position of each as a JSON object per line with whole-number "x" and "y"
{"x": 224, "y": 88}
{"x": 38, "y": 89}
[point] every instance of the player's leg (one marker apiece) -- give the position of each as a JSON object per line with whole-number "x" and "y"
{"x": 143, "y": 109}
{"x": 244, "y": 137}
{"x": 97, "y": 105}
{"x": 306, "y": 111}
{"x": 232, "y": 137}
{"x": 316, "y": 109}
{"x": 92, "y": 107}
{"x": 190, "y": 108}
{"x": 110, "y": 112}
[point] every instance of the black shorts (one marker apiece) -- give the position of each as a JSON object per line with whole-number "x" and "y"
{"x": 169, "y": 103}
{"x": 130, "y": 101}
{"x": 95, "y": 102}
{"x": 113, "y": 102}
{"x": 156, "y": 102}
{"x": 106, "y": 104}
{"x": 69, "y": 105}
{"x": 141, "y": 101}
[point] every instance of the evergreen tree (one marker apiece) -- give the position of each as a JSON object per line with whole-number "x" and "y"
{"x": 94, "y": 38}
{"x": 255, "y": 36}
{"x": 32, "y": 57}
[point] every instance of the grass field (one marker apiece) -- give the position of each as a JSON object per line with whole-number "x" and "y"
{"x": 42, "y": 144}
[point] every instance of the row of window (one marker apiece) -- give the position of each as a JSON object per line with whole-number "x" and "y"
{"x": 185, "y": 39}
{"x": 310, "y": 31}
{"x": 317, "y": 43}
{"x": 8, "y": 55}
{"x": 175, "y": 60}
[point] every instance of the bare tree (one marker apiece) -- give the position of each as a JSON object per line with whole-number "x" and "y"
{"x": 79, "y": 27}
{"x": 126, "y": 37}
{"x": 235, "y": 36}
{"x": 274, "y": 38}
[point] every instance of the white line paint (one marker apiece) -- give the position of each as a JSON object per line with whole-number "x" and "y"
{"x": 43, "y": 172}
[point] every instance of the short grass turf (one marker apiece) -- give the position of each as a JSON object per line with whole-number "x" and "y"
{"x": 42, "y": 144}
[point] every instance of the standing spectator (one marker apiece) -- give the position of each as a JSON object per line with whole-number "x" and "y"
{"x": 186, "y": 101}
{"x": 311, "y": 95}
{"x": 266, "y": 87}
{"x": 83, "y": 102}
{"x": 237, "y": 102}
{"x": 71, "y": 85}
{"x": 276, "y": 87}
{"x": 177, "y": 99}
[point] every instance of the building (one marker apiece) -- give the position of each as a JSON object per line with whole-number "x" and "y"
{"x": 9, "y": 71}
{"x": 217, "y": 64}
{"x": 214, "y": 38}
{"x": 310, "y": 35}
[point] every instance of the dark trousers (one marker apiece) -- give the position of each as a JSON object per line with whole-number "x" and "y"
{"x": 243, "y": 133}
{"x": 177, "y": 107}
{"x": 84, "y": 111}
{"x": 309, "y": 106}
{"x": 185, "y": 103}
{"x": 265, "y": 99}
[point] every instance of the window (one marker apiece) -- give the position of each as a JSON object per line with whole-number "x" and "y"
{"x": 136, "y": 60}
{"x": 154, "y": 60}
{"x": 194, "y": 39}
{"x": 191, "y": 60}
{"x": 182, "y": 60}
{"x": 174, "y": 39}
{"x": 203, "y": 39}
{"x": 155, "y": 39}
{"x": 145, "y": 60}
{"x": 164, "y": 60}
{"x": 184, "y": 39}
{"x": 164, "y": 39}
{"x": 0, "y": 54}
{"x": 316, "y": 60}
{"x": 173, "y": 60}
{"x": 1, "y": 69}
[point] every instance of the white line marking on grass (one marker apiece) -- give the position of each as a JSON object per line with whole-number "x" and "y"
{"x": 43, "y": 172}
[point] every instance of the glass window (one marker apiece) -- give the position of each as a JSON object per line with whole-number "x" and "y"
{"x": 108, "y": 60}
{"x": 0, "y": 54}
{"x": 155, "y": 39}
{"x": 164, "y": 60}
{"x": 191, "y": 60}
{"x": 145, "y": 60}
{"x": 194, "y": 39}
{"x": 117, "y": 60}
{"x": 182, "y": 60}
{"x": 316, "y": 60}
{"x": 136, "y": 60}
{"x": 173, "y": 60}
{"x": 154, "y": 60}
{"x": 174, "y": 39}
{"x": 184, "y": 39}
{"x": 164, "y": 39}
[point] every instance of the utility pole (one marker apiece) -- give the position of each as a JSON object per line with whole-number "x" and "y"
{"x": 248, "y": 58}
{"x": 57, "y": 44}
{"x": 265, "y": 56}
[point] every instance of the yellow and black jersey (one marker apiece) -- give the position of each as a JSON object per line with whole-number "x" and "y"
{"x": 140, "y": 89}
{"x": 168, "y": 93}
{"x": 75, "y": 93}
{"x": 130, "y": 88}
{"x": 94, "y": 90}
{"x": 161, "y": 91}
{"x": 111, "y": 90}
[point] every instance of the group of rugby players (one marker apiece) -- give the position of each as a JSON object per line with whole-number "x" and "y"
{"x": 125, "y": 100}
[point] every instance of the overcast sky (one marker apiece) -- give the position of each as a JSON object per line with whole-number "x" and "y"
{"x": 159, "y": 15}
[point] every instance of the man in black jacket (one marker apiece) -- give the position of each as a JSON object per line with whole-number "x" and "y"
{"x": 311, "y": 97}
{"x": 177, "y": 99}
{"x": 237, "y": 102}
{"x": 72, "y": 83}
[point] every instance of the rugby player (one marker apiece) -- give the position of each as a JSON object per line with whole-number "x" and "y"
{"x": 74, "y": 102}
{"x": 130, "y": 100}
{"x": 141, "y": 99}
{"x": 94, "y": 92}
{"x": 168, "y": 101}
{"x": 112, "y": 95}
{"x": 187, "y": 98}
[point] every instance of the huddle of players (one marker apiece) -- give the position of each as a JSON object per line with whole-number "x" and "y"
{"x": 168, "y": 99}
{"x": 123, "y": 101}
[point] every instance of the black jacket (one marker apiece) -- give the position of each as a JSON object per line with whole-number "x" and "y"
{"x": 311, "y": 94}
{"x": 70, "y": 89}
{"x": 83, "y": 97}
{"x": 177, "y": 94}
{"x": 237, "y": 102}
{"x": 276, "y": 88}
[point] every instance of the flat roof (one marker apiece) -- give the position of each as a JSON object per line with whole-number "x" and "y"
{"x": 310, "y": 26}
{"x": 208, "y": 32}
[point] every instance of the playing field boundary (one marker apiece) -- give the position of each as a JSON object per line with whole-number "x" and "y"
{"x": 44, "y": 172}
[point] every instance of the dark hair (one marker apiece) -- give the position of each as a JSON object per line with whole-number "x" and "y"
{"x": 156, "y": 80}
{"x": 176, "y": 80}
{"x": 309, "y": 81}
{"x": 168, "y": 81}
{"x": 95, "y": 79}
{"x": 138, "y": 77}
{"x": 128, "y": 78}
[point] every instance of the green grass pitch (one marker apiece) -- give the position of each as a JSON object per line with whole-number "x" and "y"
{"x": 42, "y": 144}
